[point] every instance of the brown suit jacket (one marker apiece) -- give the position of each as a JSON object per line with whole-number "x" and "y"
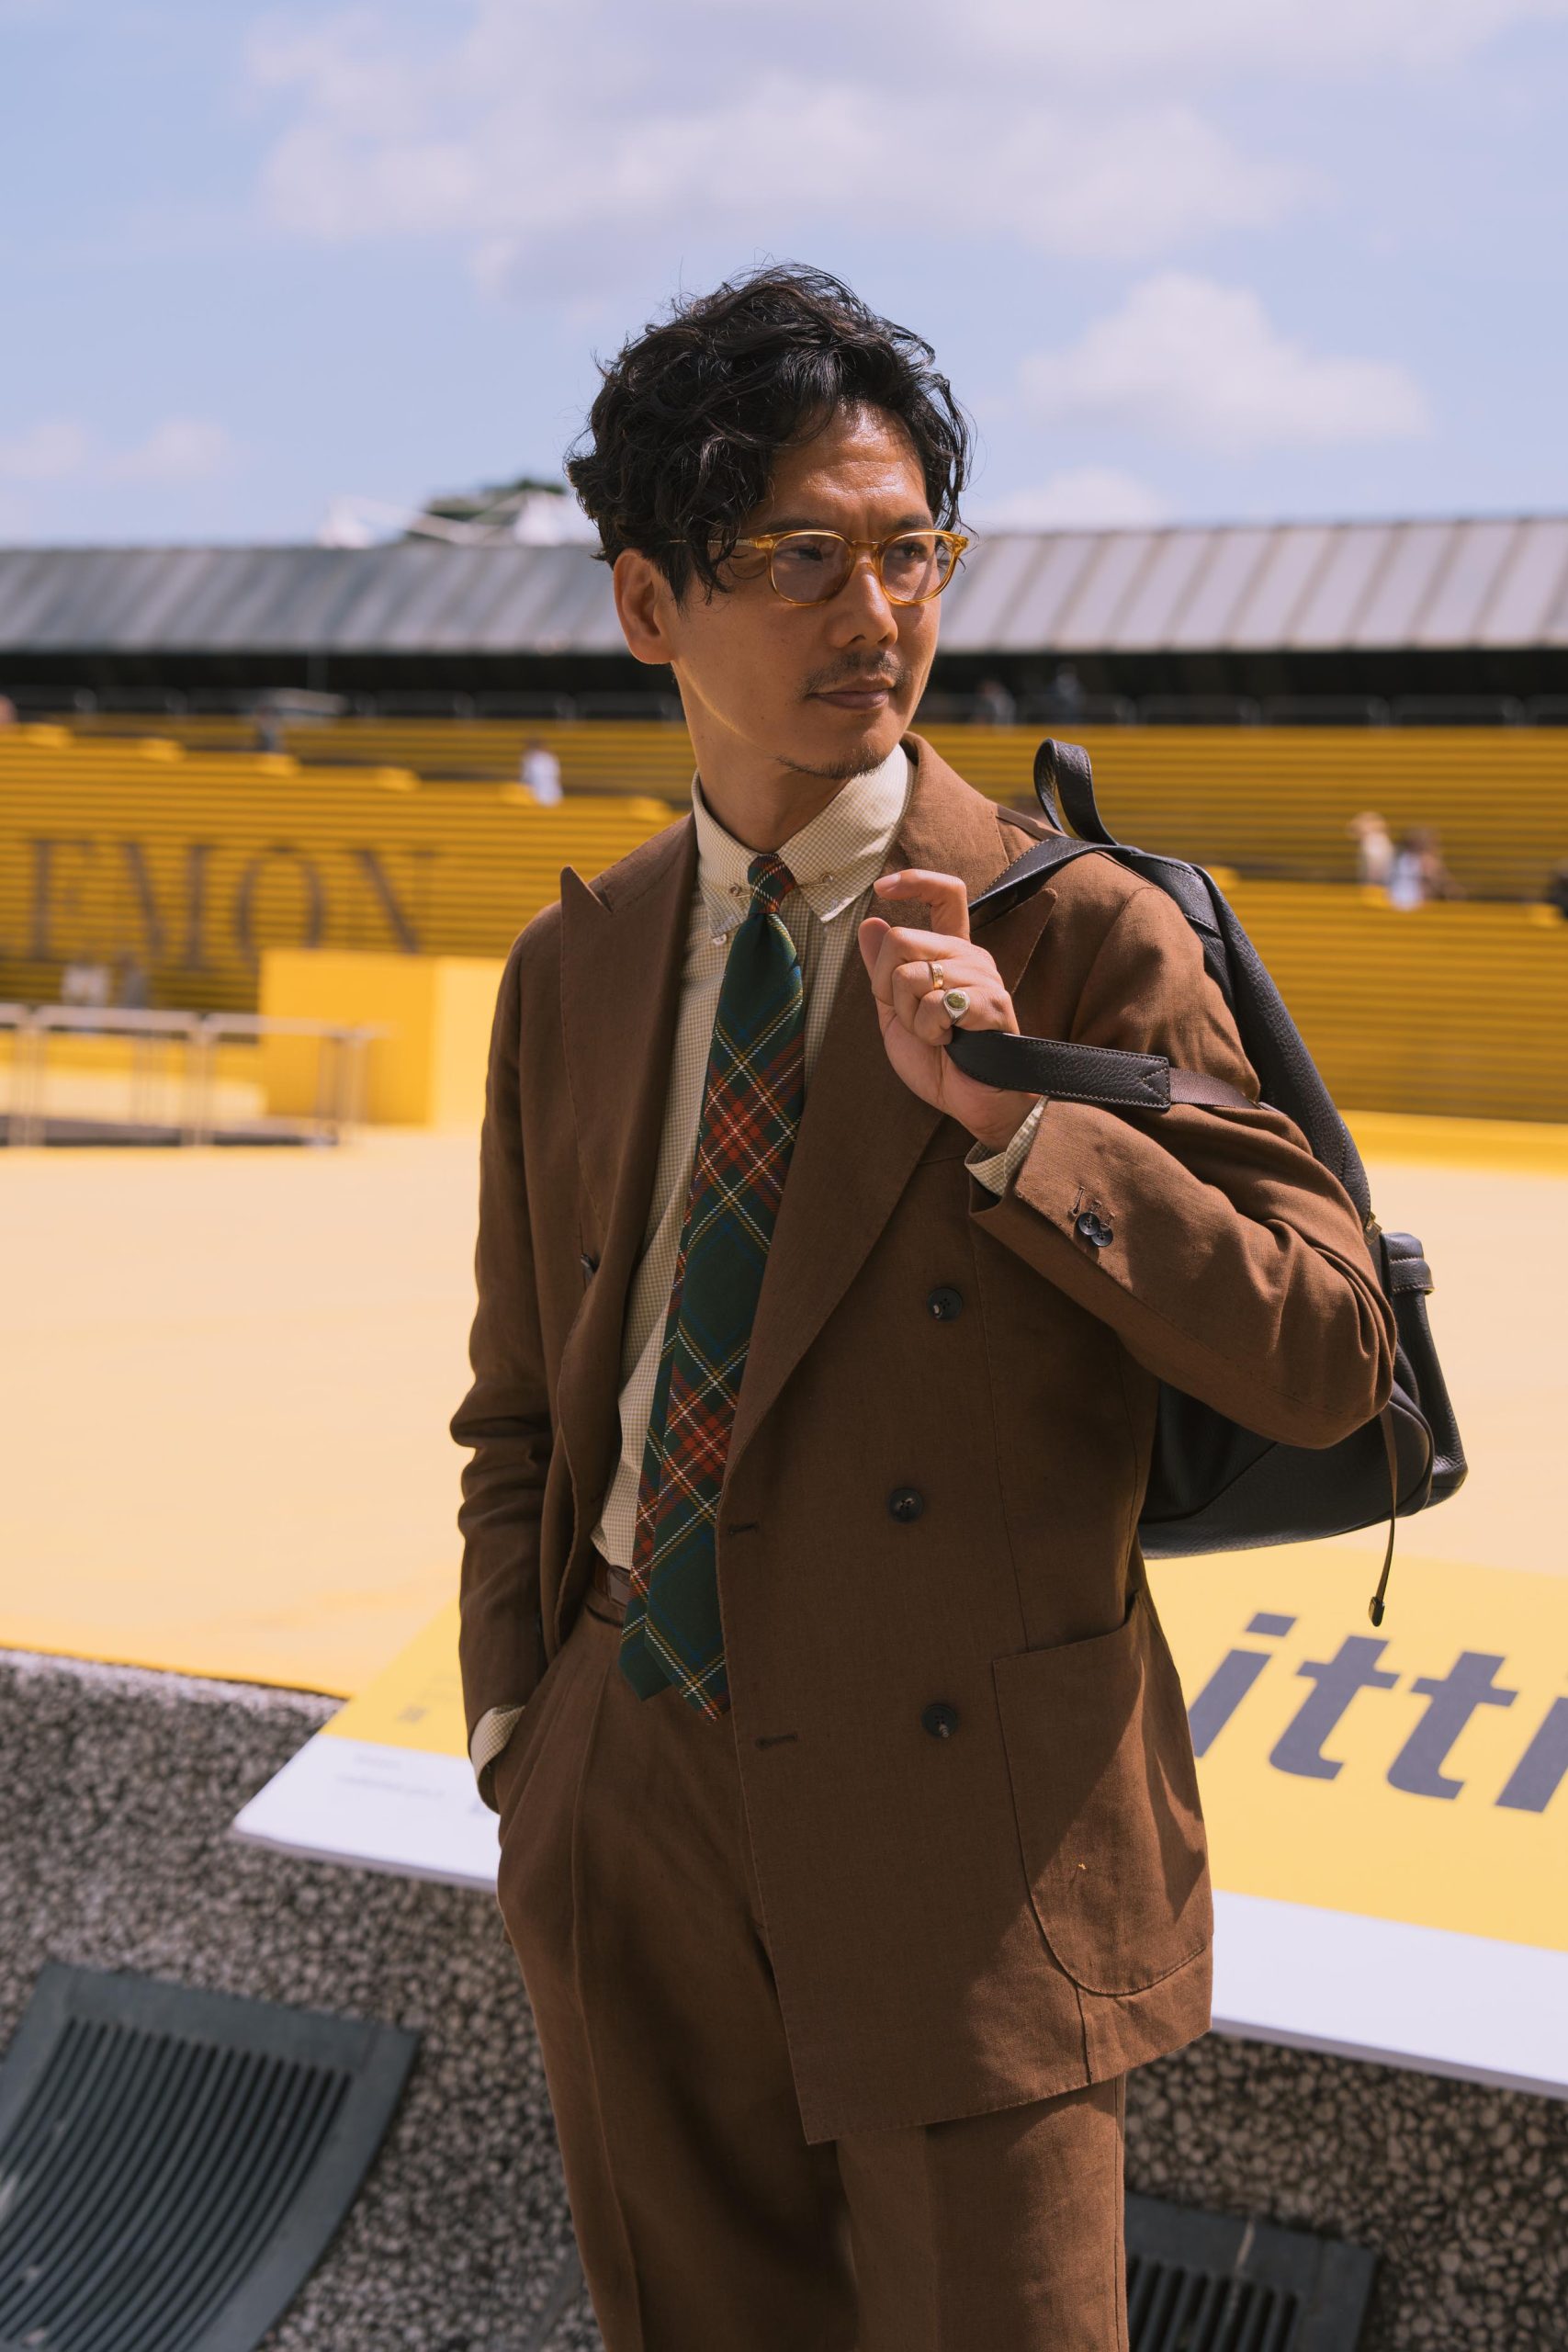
{"x": 960, "y": 1923}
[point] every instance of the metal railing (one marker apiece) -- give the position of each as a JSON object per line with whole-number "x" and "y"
{"x": 198, "y": 1112}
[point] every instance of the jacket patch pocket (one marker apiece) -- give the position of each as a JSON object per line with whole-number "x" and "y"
{"x": 1106, "y": 1797}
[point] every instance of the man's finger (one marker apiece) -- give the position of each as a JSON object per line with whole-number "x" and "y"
{"x": 872, "y": 933}
{"x": 944, "y": 893}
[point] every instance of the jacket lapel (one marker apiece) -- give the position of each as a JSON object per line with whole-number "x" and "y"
{"x": 623, "y": 957}
{"x": 862, "y": 1130}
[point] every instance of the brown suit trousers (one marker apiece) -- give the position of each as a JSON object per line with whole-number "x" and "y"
{"x": 707, "y": 2221}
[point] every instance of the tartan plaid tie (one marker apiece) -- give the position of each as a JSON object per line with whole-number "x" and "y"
{"x": 751, "y": 1103}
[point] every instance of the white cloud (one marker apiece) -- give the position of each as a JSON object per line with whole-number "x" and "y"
{"x": 49, "y": 452}
{"x": 1330, "y": 40}
{"x": 181, "y": 449}
{"x": 1078, "y": 498}
{"x": 481, "y": 139}
{"x": 1189, "y": 361}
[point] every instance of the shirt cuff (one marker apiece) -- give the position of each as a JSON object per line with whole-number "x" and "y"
{"x": 995, "y": 1169}
{"x": 491, "y": 1733}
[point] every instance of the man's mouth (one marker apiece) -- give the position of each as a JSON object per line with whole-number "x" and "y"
{"x": 857, "y": 694}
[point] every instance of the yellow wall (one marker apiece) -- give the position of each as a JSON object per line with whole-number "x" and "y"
{"x": 427, "y": 1070}
{"x": 1259, "y": 796}
{"x": 199, "y": 864}
{"x": 207, "y": 863}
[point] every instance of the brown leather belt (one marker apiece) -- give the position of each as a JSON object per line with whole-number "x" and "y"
{"x": 613, "y": 1583}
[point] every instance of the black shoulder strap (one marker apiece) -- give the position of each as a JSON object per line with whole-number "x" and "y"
{"x": 1098, "y": 1074}
{"x": 1064, "y": 784}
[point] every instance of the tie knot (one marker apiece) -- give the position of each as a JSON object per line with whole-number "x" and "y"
{"x": 770, "y": 881}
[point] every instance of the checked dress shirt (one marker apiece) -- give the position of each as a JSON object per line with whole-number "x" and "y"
{"x": 834, "y": 859}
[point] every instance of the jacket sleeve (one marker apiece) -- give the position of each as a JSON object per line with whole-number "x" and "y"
{"x": 1227, "y": 1260}
{"x": 505, "y": 1416}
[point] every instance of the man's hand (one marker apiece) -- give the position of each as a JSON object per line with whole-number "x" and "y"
{"x": 915, "y": 1027}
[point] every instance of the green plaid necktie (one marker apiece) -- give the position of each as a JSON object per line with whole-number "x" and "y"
{"x": 751, "y": 1103}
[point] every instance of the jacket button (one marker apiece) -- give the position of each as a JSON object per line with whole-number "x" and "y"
{"x": 944, "y": 1303}
{"x": 1092, "y": 1228}
{"x": 940, "y": 1719}
{"x": 906, "y": 1502}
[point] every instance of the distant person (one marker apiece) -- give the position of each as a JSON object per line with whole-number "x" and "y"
{"x": 1556, "y": 891}
{"x": 85, "y": 982}
{"x": 540, "y": 774}
{"x": 269, "y": 731}
{"x": 7, "y": 711}
{"x": 1065, "y": 696}
{"x": 1374, "y": 850}
{"x": 994, "y": 706}
{"x": 1418, "y": 874}
{"x": 131, "y": 984}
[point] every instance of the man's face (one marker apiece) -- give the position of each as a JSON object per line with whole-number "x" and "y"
{"x": 824, "y": 689}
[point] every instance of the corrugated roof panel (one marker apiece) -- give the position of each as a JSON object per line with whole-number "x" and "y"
{"x": 993, "y": 579}
{"x": 482, "y": 589}
{"x": 1090, "y": 620}
{"x": 276, "y": 599}
{"x": 68, "y": 612}
{"x": 345, "y": 602}
{"x": 601, "y": 629}
{"x": 1475, "y": 559}
{"x": 1404, "y": 586}
{"x": 1530, "y": 587}
{"x": 1434, "y": 584}
{"x": 30, "y": 582}
{"x": 1048, "y": 592}
{"x": 1151, "y": 616}
{"x": 1283, "y": 579}
{"x": 1210, "y": 604}
{"x": 569, "y": 590}
{"x": 166, "y": 595}
{"x": 1332, "y": 605}
{"x": 528, "y": 607}
{"x": 113, "y": 593}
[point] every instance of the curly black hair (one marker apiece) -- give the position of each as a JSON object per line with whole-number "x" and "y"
{"x": 689, "y": 416}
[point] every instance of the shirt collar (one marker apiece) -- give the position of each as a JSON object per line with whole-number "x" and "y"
{"x": 833, "y": 858}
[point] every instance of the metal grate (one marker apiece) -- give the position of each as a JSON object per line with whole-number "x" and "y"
{"x": 172, "y": 2163}
{"x": 1205, "y": 2282}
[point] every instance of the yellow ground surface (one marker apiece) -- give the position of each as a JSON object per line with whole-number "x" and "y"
{"x": 228, "y": 1375}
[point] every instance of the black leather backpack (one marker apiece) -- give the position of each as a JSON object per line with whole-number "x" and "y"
{"x": 1215, "y": 1486}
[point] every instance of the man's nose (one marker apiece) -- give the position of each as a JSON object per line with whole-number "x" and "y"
{"x": 861, "y": 608}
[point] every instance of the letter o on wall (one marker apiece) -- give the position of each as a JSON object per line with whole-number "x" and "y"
{"x": 315, "y": 908}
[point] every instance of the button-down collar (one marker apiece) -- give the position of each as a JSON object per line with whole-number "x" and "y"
{"x": 833, "y": 858}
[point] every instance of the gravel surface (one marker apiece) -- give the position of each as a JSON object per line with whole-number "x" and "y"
{"x": 119, "y": 1787}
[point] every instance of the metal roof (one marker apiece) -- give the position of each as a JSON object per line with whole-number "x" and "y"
{"x": 1292, "y": 587}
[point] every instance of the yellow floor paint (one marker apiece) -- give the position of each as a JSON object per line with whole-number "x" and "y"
{"x": 228, "y": 1375}
{"x": 225, "y": 1391}
{"x": 1349, "y": 1838}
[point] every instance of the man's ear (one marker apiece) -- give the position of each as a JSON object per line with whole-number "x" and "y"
{"x": 644, "y": 606}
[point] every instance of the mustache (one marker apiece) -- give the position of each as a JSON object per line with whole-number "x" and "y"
{"x": 840, "y": 679}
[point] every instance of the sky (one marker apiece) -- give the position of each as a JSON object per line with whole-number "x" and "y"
{"x": 1196, "y": 260}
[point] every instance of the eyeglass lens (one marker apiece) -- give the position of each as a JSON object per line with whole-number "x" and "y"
{"x": 809, "y": 566}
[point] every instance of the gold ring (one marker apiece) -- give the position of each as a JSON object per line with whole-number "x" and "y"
{"x": 935, "y": 971}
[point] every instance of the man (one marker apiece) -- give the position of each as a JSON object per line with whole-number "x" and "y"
{"x": 850, "y": 1840}
{"x": 539, "y": 774}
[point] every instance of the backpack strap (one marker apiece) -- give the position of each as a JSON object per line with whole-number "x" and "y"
{"x": 1064, "y": 784}
{"x": 1099, "y": 1074}
{"x": 1096, "y": 1074}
